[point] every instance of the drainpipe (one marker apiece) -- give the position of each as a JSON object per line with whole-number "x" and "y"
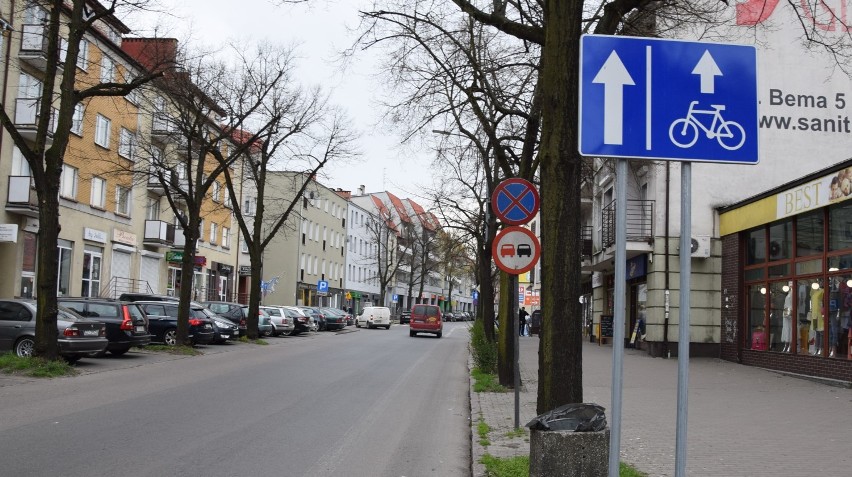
{"x": 666, "y": 352}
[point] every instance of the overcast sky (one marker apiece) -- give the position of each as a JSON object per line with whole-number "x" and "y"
{"x": 319, "y": 31}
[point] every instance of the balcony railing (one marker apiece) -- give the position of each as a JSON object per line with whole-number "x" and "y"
{"x": 34, "y": 47}
{"x": 158, "y": 232}
{"x": 586, "y": 241}
{"x": 639, "y": 222}
{"x": 21, "y": 197}
{"x": 27, "y": 118}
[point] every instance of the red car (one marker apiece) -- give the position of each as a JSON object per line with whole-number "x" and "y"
{"x": 426, "y": 319}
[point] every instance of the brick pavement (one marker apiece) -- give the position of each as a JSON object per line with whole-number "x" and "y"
{"x": 743, "y": 421}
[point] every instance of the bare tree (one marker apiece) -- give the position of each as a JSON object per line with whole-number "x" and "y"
{"x": 61, "y": 26}
{"x": 195, "y": 111}
{"x": 299, "y": 131}
{"x": 382, "y": 232}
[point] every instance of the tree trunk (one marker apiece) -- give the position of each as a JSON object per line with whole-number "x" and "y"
{"x": 48, "y": 269}
{"x": 506, "y": 335}
{"x": 187, "y": 273}
{"x": 560, "y": 346}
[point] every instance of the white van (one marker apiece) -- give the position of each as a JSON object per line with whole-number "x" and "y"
{"x": 372, "y": 316}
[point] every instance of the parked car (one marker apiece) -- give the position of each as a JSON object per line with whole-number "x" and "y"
{"x": 316, "y": 314}
{"x": 282, "y": 320}
{"x": 231, "y": 311}
{"x": 146, "y": 297}
{"x": 335, "y": 319}
{"x": 405, "y": 317}
{"x": 302, "y": 320}
{"x": 126, "y": 324}
{"x": 373, "y": 317}
{"x": 77, "y": 337}
{"x": 426, "y": 319}
{"x": 264, "y": 323}
{"x": 224, "y": 330}
{"x": 163, "y": 321}
{"x": 449, "y": 316}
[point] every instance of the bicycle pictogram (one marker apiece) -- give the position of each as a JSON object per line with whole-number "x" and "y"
{"x": 684, "y": 131}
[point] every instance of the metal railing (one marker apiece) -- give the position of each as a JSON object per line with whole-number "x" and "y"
{"x": 118, "y": 285}
{"x": 639, "y": 226}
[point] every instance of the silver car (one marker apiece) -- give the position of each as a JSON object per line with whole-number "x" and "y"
{"x": 77, "y": 335}
{"x": 282, "y": 320}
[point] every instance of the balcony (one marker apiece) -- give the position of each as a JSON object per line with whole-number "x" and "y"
{"x": 639, "y": 230}
{"x": 154, "y": 184}
{"x": 21, "y": 197}
{"x": 34, "y": 47}
{"x": 162, "y": 129}
{"x": 159, "y": 233}
{"x": 27, "y": 119}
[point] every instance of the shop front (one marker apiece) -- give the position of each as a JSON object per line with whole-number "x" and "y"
{"x": 787, "y": 277}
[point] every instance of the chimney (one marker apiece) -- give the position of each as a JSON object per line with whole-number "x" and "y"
{"x": 361, "y": 189}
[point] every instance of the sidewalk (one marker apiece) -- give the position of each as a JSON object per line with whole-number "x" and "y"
{"x": 743, "y": 421}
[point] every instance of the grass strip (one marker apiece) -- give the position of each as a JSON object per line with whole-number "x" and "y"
{"x": 486, "y": 382}
{"x": 34, "y": 367}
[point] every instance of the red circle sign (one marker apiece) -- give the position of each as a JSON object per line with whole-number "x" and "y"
{"x": 515, "y": 250}
{"x": 515, "y": 201}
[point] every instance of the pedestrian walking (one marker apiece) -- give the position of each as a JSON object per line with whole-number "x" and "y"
{"x": 522, "y": 322}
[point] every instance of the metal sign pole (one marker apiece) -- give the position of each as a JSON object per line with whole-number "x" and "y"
{"x": 513, "y": 283}
{"x": 683, "y": 321}
{"x": 618, "y": 312}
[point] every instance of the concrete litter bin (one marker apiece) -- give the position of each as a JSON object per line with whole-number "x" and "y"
{"x": 570, "y": 441}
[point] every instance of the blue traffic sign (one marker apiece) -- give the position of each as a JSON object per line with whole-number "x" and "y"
{"x": 474, "y": 295}
{"x": 322, "y": 286}
{"x": 668, "y": 99}
{"x": 515, "y": 201}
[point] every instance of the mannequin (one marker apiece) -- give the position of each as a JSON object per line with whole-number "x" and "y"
{"x": 787, "y": 320}
{"x": 817, "y": 318}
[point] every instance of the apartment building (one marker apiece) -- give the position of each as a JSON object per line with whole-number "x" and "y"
{"x": 309, "y": 253}
{"x": 364, "y": 230}
{"x": 117, "y": 232}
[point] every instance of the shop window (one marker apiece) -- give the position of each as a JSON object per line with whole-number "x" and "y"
{"x": 754, "y": 274}
{"x": 809, "y": 234}
{"x": 839, "y": 316}
{"x": 756, "y": 247}
{"x": 778, "y": 271}
{"x": 840, "y": 226}
{"x": 809, "y": 267}
{"x": 757, "y": 333}
{"x": 811, "y": 313}
{"x": 780, "y": 322}
{"x": 781, "y": 241}
{"x": 839, "y": 262}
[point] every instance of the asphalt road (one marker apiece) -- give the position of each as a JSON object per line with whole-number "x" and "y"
{"x": 353, "y": 403}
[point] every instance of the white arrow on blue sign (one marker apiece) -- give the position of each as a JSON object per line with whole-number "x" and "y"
{"x": 668, "y": 99}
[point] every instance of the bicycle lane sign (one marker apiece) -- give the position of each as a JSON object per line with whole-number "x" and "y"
{"x": 668, "y": 99}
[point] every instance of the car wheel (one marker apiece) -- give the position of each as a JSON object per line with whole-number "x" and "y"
{"x": 267, "y": 333}
{"x": 170, "y": 337}
{"x": 291, "y": 333}
{"x": 412, "y": 333}
{"x": 357, "y": 324}
{"x": 119, "y": 352}
{"x": 25, "y": 347}
{"x": 387, "y": 327}
{"x": 439, "y": 334}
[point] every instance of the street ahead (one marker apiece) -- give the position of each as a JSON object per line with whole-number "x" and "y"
{"x": 354, "y": 403}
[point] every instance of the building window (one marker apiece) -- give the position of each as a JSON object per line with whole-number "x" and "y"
{"x": 98, "y": 196}
{"x": 63, "y": 287}
{"x": 122, "y": 200}
{"x": 107, "y": 69}
{"x": 152, "y": 209}
{"x": 77, "y": 119}
{"x": 201, "y": 230}
{"x": 244, "y": 246}
{"x": 83, "y": 56}
{"x": 226, "y": 237}
{"x": 214, "y": 232}
{"x": 102, "y": 127}
{"x": 216, "y": 191}
{"x": 68, "y": 182}
{"x": 126, "y": 144}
